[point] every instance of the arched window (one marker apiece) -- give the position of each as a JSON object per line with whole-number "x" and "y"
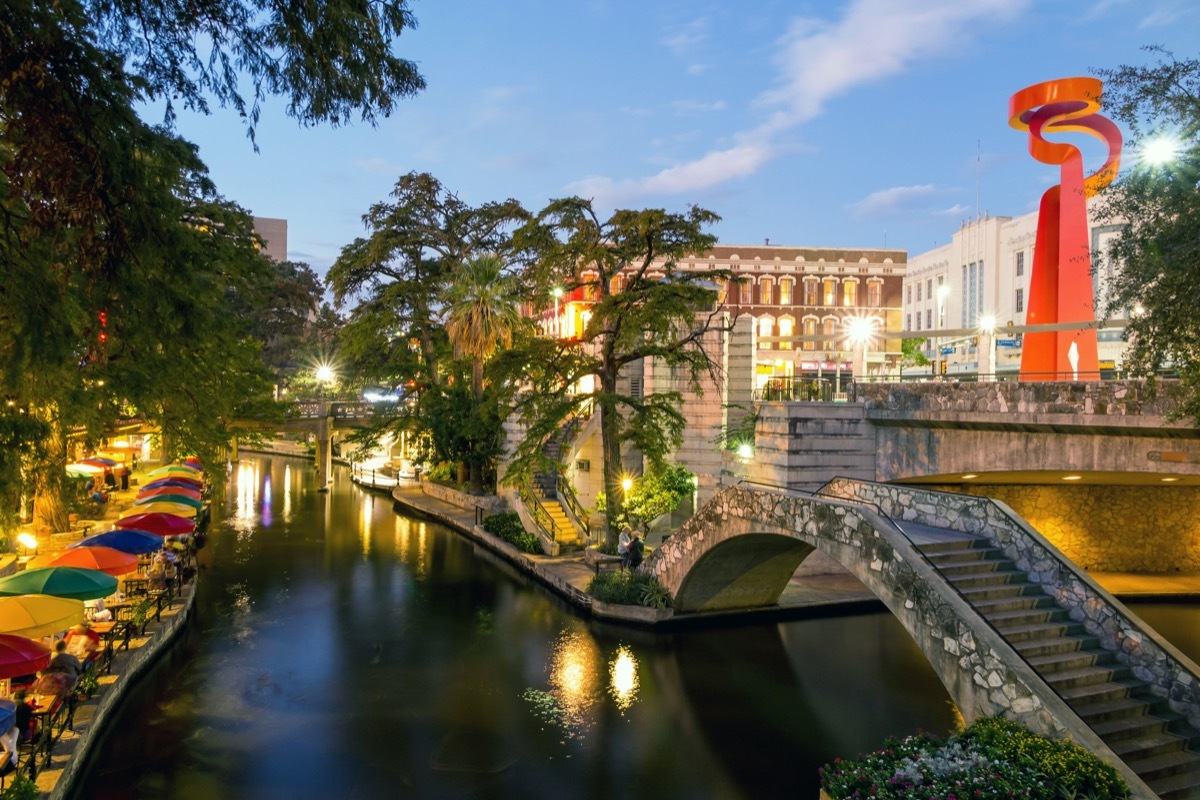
{"x": 765, "y": 324}
{"x": 874, "y": 293}
{"x": 829, "y": 331}
{"x": 810, "y": 329}
{"x": 785, "y": 291}
{"x": 786, "y": 328}
{"x": 810, "y": 291}
{"x": 829, "y": 292}
{"x": 850, "y": 293}
{"x": 745, "y": 291}
{"x": 766, "y": 291}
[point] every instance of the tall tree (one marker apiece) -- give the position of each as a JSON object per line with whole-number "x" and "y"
{"x": 1157, "y": 285}
{"x": 481, "y": 316}
{"x": 644, "y": 307}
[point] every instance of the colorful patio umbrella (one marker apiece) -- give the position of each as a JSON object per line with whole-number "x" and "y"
{"x": 179, "y": 509}
{"x": 158, "y": 523}
{"x": 183, "y": 483}
{"x": 98, "y": 557}
{"x": 174, "y": 469}
{"x": 36, "y": 615}
{"x": 157, "y": 491}
{"x": 124, "y": 539}
{"x": 80, "y": 584}
{"x": 173, "y": 499}
{"x": 84, "y": 470}
{"x": 108, "y": 463}
{"x": 21, "y": 656}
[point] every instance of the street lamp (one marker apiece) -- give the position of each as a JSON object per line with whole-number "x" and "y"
{"x": 325, "y": 376}
{"x": 987, "y": 329}
{"x": 943, "y": 291}
{"x": 558, "y": 293}
{"x": 859, "y": 331}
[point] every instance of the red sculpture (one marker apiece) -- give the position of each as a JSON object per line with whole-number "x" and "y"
{"x": 1060, "y": 285}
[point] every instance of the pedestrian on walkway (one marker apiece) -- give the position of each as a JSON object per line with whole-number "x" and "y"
{"x": 623, "y": 542}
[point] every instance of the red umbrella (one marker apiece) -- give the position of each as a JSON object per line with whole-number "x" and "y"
{"x": 104, "y": 559}
{"x": 159, "y": 523}
{"x": 179, "y": 490}
{"x": 21, "y": 656}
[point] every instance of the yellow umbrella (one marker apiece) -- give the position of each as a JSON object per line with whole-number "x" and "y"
{"x": 35, "y": 615}
{"x": 178, "y": 509}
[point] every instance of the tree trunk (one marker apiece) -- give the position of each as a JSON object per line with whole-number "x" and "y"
{"x": 476, "y": 486}
{"x": 610, "y": 444}
{"x": 49, "y": 511}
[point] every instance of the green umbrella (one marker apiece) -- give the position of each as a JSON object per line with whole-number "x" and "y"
{"x": 182, "y": 499}
{"x": 73, "y": 582}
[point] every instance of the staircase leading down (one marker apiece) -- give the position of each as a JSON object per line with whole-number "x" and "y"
{"x": 1155, "y": 742}
{"x": 566, "y": 533}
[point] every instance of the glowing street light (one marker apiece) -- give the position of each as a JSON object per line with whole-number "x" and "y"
{"x": 1161, "y": 150}
{"x": 859, "y": 332}
{"x": 626, "y": 484}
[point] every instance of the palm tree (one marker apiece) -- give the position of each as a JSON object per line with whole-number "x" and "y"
{"x": 481, "y": 317}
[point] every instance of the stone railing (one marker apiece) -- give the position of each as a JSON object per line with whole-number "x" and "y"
{"x": 1169, "y": 674}
{"x": 490, "y": 503}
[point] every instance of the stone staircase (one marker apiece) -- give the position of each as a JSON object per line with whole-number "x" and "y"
{"x": 1154, "y": 742}
{"x": 569, "y": 536}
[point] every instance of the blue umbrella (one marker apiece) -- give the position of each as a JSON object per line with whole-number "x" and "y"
{"x": 178, "y": 484}
{"x": 127, "y": 540}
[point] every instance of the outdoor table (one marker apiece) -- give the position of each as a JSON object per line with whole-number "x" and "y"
{"x": 117, "y": 608}
{"x": 103, "y": 628}
{"x": 136, "y": 585}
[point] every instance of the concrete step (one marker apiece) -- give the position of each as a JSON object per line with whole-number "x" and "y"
{"x": 1036, "y": 630}
{"x": 1096, "y": 713}
{"x": 1125, "y": 729}
{"x": 1084, "y": 676}
{"x": 1180, "y": 786}
{"x": 1149, "y": 744}
{"x": 1085, "y": 695}
{"x": 993, "y": 578}
{"x": 1003, "y": 591}
{"x": 1165, "y": 765}
{"x": 1063, "y": 662}
{"x": 996, "y": 605}
{"x": 1026, "y": 616}
{"x": 973, "y": 554}
{"x": 1064, "y": 644}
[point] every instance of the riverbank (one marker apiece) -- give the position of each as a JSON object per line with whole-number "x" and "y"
{"x": 807, "y": 595}
{"x": 69, "y": 754}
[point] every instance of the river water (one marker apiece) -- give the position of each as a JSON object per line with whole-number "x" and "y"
{"x": 340, "y": 650}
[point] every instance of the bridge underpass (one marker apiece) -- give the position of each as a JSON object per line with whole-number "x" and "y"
{"x": 1009, "y": 625}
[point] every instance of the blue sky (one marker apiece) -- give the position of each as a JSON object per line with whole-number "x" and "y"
{"x": 855, "y": 124}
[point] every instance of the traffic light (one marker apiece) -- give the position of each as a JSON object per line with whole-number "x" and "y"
{"x": 943, "y": 366}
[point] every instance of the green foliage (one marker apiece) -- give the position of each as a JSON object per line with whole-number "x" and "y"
{"x": 912, "y": 352}
{"x": 88, "y": 684}
{"x": 21, "y": 788}
{"x": 508, "y": 527}
{"x": 1157, "y": 287}
{"x": 993, "y": 759}
{"x": 657, "y": 493}
{"x": 659, "y": 311}
{"x": 140, "y": 612}
{"x": 628, "y": 588}
{"x": 442, "y": 472}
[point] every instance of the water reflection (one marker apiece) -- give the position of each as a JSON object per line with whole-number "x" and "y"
{"x": 348, "y": 652}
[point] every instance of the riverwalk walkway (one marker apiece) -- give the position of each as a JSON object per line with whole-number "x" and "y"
{"x": 569, "y": 575}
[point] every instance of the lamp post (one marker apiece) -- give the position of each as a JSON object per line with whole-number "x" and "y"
{"x": 558, "y": 293}
{"x": 987, "y": 344}
{"x": 325, "y": 377}
{"x": 943, "y": 291}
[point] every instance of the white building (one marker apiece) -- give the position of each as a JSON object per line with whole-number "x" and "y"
{"x": 984, "y": 271}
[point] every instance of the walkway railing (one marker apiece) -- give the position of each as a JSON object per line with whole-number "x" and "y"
{"x": 541, "y": 516}
{"x": 566, "y": 494}
{"x": 375, "y": 478}
{"x": 807, "y": 390}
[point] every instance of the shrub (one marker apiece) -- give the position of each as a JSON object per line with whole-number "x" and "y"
{"x": 628, "y": 588}
{"x": 507, "y": 526}
{"x": 994, "y": 758}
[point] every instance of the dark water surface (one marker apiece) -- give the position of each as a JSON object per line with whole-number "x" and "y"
{"x": 340, "y": 650}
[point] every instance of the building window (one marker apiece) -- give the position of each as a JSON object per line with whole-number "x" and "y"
{"x": 918, "y": 320}
{"x": 786, "y": 329}
{"x": 810, "y": 330}
{"x": 929, "y": 288}
{"x": 829, "y": 330}
{"x": 929, "y": 318}
{"x": 908, "y": 289}
{"x": 908, "y": 322}
{"x": 764, "y": 330}
{"x": 616, "y": 284}
{"x": 964, "y": 297}
{"x": 1019, "y": 305}
{"x": 830, "y": 292}
{"x": 810, "y": 292}
{"x": 1020, "y": 263}
{"x": 746, "y": 292}
{"x": 918, "y": 291}
{"x": 850, "y": 293}
{"x": 785, "y": 291}
{"x": 875, "y": 294}
{"x": 722, "y": 291}
{"x": 766, "y": 291}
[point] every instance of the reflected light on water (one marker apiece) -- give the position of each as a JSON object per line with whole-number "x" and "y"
{"x": 266, "y": 500}
{"x": 575, "y": 679}
{"x": 364, "y": 524}
{"x": 244, "y": 512}
{"x": 287, "y": 493}
{"x": 623, "y": 678}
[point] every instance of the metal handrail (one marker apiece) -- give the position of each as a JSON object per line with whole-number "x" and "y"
{"x": 566, "y": 492}
{"x": 548, "y": 527}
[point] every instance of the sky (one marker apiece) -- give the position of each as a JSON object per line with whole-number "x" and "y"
{"x": 859, "y": 123}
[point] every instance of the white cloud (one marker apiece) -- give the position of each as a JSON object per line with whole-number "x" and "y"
{"x": 697, "y": 69}
{"x": 696, "y": 107}
{"x": 872, "y": 41}
{"x": 687, "y": 37}
{"x": 888, "y": 201}
{"x": 956, "y": 210}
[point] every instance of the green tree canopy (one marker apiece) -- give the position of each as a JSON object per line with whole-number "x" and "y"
{"x": 1157, "y": 285}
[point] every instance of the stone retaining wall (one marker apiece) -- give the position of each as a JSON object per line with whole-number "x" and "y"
{"x": 1169, "y": 673}
{"x": 491, "y": 504}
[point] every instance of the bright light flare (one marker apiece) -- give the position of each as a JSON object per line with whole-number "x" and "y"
{"x": 745, "y": 451}
{"x": 325, "y": 373}
{"x": 1162, "y": 150}
{"x": 859, "y": 330}
{"x": 987, "y": 324}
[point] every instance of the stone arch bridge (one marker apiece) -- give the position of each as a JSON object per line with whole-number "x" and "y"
{"x": 1009, "y": 625}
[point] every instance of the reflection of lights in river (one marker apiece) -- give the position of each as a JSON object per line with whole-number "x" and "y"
{"x": 623, "y": 678}
{"x": 266, "y": 500}
{"x": 364, "y": 523}
{"x": 287, "y": 493}
{"x": 574, "y": 684}
{"x": 245, "y": 515}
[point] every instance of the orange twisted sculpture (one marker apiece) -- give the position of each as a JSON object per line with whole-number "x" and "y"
{"x": 1060, "y": 287}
